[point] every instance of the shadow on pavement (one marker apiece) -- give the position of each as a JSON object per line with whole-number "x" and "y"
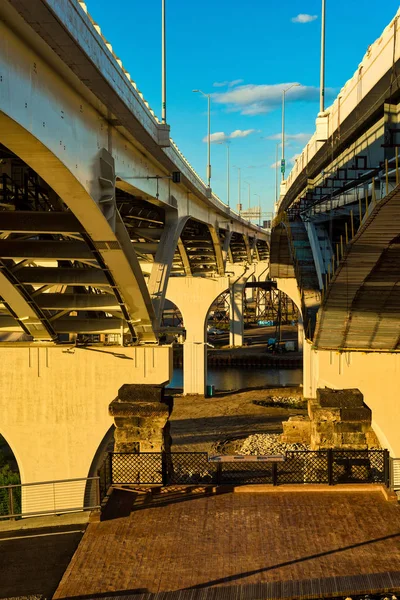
{"x": 33, "y": 563}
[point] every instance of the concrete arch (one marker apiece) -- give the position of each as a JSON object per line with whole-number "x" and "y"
{"x": 194, "y": 296}
{"x": 83, "y": 201}
{"x": 101, "y": 451}
{"x": 13, "y": 445}
{"x": 55, "y": 399}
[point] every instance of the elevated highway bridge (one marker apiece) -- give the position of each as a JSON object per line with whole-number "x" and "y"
{"x": 101, "y": 219}
{"x": 336, "y": 235}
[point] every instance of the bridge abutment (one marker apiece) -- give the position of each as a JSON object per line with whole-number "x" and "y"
{"x": 375, "y": 374}
{"x": 54, "y": 404}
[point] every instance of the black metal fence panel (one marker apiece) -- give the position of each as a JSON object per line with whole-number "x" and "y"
{"x": 359, "y": 466}
{"x": 191, "y": 468}
{"x": 145, "y": 469}
{"x": 245, "y": 472}
{"x": 184, "y": 468}
{"x": 304, "y": 467}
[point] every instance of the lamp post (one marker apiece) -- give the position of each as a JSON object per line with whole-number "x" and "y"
{"x": 247, "y": 183}
{"x": 322, "y": 72}
{"x": 239, "y": 191}
{"x": 284, "y": 92}
{"x": 276, "y": 172}
{"x": 163, "y": 65}
{"x": 227, "y": 170}
{"x": 259, "y": 209}
{"x": 208, "y": 96}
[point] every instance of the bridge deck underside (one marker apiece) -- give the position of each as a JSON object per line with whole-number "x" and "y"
{"x": 362, "y": 304}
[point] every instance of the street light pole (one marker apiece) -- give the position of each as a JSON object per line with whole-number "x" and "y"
{"x": 239, "y": 186}
{"x": 276, "y": 171}
{"x": 208, "y": 96}
{"x": 227, "y": 171}
{"x": 322, "y": 72}
{"x": 284, "y": 91}
{"x": 163, "y": 65}
{"x": 259, "y": 209}
{"x": 209, "y": 141}
{"x": 247, "y": 183}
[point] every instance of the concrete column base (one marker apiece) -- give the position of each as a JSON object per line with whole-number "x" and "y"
{"x": 236, "y": 333}
{"x": 141, "y": 415}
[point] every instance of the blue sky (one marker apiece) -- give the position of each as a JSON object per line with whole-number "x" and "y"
{"x": 254, "y": 44}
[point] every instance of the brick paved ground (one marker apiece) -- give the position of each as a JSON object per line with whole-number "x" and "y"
{"x": 177, "y": 541}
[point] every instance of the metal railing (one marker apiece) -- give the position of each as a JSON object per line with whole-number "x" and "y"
{"x": 395, "y": 474}
{"x": 49, "y": 497}
{"x": 194, "y": 468}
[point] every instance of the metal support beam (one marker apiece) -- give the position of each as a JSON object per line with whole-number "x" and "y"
{"x": 39, "y": 222}
{"x": 77, "y": 325}
{"x": 62, "y": 276}
{"x": 106, "y": 302}
{"x": 37, "y": 249}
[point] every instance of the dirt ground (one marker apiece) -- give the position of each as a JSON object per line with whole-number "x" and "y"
{"x": 221, "y": 423}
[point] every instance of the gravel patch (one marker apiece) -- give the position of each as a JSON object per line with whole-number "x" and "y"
{"x": 282, "y": 402}
{"x": 268, "y": 443}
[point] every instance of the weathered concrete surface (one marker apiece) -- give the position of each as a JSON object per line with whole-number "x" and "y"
{"x": 375, "y": 374}
{"x": 141, "y": 415}
{"x": 54, "y": 402}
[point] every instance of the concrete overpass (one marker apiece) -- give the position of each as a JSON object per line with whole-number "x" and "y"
{"x": 101, "y": 219}
{"x": 335, "y": 241}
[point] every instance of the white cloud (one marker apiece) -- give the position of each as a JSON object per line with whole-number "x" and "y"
{"x": 301, "y": 138}
{"x": 304, "y": 18}
{"x": 289, "y": 161}
{"x": 220, "y": 136}
{"x": 241, "y": 133}
{"x": 254, "y": 99}
{"x": 227, "y": 83}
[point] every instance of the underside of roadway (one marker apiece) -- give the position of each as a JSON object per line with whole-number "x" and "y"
{"x": 181, "y": 539}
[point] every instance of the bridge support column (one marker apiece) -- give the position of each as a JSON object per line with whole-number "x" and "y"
{"x": 194, "y": 296}
{"x": 195, "y": 362}
{"x": 236, "y": 332}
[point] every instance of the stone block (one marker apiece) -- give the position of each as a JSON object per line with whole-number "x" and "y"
{"x": 355, "y": 441}
{"x": 362, "y": 414}
{"x": 140, "y": 392}
{"x": 325, "y": 414}
{"x": 350, "y": 398}
{"x": 141, "y": 419}
{"x": 296, "y": 429}
{"x": 371, "y": 439}
{"x": 351, "y": 427}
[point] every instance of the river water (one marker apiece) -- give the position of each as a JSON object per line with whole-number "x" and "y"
{"x": 233, "y": 378}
